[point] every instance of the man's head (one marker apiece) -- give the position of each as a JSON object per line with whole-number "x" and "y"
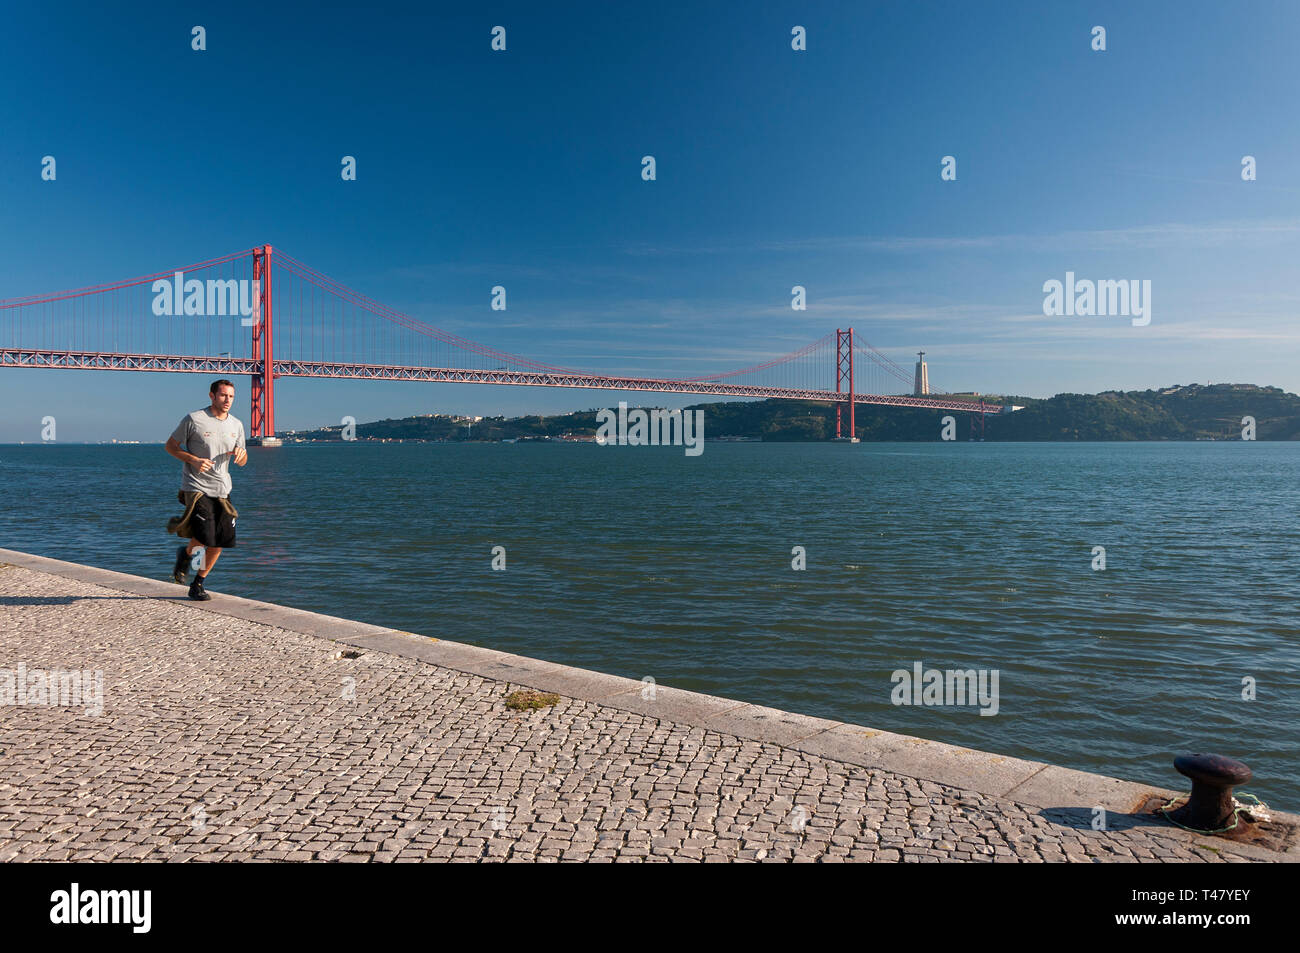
{"x": 223, "y": 395}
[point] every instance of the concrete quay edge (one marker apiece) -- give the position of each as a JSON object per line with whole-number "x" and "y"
{"x": 1048, "y": 787}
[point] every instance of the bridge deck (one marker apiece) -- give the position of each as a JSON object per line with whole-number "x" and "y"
{"x": 94, "y": 360}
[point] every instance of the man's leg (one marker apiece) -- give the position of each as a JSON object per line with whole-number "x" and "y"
{"x": 210, "y": 554}
{"x": 197, "y": 591}
{"x": 221, "y": 527}
{"x": 185, "y": 560}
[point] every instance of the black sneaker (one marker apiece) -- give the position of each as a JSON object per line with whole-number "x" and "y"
{"x": 182, "y": 565}
{"x": 197, "y": 592}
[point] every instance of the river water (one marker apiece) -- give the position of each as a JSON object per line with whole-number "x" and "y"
{"x": 642, "y": 561}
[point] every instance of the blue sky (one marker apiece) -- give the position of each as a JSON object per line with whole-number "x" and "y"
{"x": 775, "y": 168}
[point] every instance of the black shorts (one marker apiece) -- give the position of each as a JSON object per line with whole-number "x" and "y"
{"x": 211, "y": 525}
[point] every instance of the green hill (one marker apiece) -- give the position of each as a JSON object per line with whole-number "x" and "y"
{"x": 1188, "y": 412}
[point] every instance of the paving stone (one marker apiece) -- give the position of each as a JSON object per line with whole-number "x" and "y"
{"x": 248, "y": 728}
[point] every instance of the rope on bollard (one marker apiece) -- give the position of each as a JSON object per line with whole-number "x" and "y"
{"x": 1236, "y": 812}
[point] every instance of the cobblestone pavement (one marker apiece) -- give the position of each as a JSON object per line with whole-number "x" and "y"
{"x": 222, "y": 739}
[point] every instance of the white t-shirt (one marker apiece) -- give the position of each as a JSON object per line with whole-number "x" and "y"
{"x": 206, "y": 436}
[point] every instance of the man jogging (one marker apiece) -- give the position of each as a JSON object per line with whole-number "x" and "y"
{"x": 206, "y": 441}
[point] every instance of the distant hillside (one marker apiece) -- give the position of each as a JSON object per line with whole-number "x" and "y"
{"x": 1190, "y": 412}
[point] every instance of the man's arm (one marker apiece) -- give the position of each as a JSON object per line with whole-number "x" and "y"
{"x": 174, "y": 448}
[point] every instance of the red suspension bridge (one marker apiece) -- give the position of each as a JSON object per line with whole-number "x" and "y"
{"x": 268, "y": 316}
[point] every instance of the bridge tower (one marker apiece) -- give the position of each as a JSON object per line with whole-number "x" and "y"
{"x": 262, "y": 393}
{"x": 843, "y": 377}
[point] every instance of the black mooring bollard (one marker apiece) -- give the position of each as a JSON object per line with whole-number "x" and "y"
{"x": 1210, "y": 807}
